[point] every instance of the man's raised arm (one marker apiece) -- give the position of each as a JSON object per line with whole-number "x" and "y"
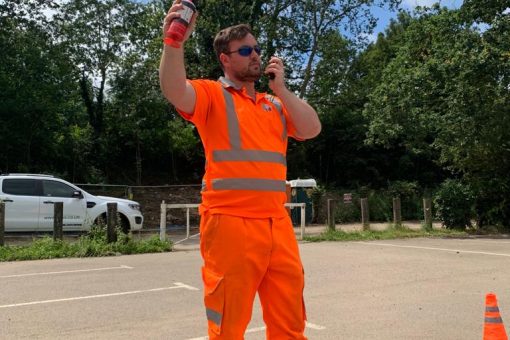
{"x": 172, "y": 72}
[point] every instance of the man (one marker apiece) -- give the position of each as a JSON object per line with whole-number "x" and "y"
{"x": 247, "y": 239}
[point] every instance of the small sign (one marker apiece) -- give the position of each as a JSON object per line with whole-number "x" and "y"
{"x": 348, "y": 198}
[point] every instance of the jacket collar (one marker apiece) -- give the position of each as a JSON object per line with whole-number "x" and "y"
{"x": 227, "y": 83}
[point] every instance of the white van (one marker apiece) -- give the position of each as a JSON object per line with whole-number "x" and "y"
{"x": 29, "y": 206}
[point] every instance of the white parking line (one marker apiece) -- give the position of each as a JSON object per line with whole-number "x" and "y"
{"x": 254, "y": 330}
{"x": 67, "y": 271}
{"x": 177, "y": 285}
{"x": 438, "y": 249}
{"x": 492, "y": 241}
{"x": 314, "y": 326}
{"x": 180, "y": 284}
{"x": 263, "y": 328}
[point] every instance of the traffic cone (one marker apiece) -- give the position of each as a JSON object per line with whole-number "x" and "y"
{"x": 493, "y": 327}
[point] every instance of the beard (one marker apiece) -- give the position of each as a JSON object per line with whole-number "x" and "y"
{"x": 252, "y": 73}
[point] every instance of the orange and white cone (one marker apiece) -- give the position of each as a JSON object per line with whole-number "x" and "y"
{"x": 493, "y": 326}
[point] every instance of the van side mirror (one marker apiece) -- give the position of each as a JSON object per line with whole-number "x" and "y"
{"x": 77, "y": 194}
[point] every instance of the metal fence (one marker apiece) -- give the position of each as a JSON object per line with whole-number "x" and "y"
{"x": 165, "y": 207}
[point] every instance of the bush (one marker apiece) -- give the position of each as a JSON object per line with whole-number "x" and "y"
{"x": 492, "y": 203}
{"x": 410, "y": 199}
{"x": 350, "y": 212}
{"x": 379, "y": 205}
{"x": 317, "y": 200}
{"x": 453, "y": 203}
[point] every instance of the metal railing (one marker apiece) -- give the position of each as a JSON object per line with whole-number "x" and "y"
{"x": 165, "y": 207}
{"x": 303, "y": 215}
{"x": 162, "y": 222}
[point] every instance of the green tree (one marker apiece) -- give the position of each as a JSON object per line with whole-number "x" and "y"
{"x": 38, "y": 90}
{"x": 445, "y": 94}
{"x": 144, "y": 133}
{"x": 94, "y": 32}
{"x": 344, "y": 78}
{"x": 486, "y": 11}
{"x": 315, "y": 20}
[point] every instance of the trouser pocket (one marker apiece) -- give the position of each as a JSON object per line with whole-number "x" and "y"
{"x": 214, "y": 299}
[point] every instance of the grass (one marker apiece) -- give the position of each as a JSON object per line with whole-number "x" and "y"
{"x": 392, "y": 232}
{"x": 93, "y": 244}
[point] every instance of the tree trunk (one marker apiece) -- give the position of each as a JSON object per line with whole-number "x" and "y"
{"x": 138, "y": 163}
{"x": 308, "y": 70}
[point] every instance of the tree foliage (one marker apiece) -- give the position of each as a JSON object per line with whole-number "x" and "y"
{"x": 427, "y": 100}
{"x": 446, "y": 95}
{"x": 38, "y": 97}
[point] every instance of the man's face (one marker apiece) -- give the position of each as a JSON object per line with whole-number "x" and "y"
{"x": 244, "y": 67}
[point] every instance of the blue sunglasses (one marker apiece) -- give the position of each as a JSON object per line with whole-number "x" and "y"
{"x": 246, "y": 51}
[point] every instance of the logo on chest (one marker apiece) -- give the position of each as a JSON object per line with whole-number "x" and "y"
{"x": 266, "y": 107}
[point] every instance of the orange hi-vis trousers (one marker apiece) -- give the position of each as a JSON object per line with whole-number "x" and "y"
{"x": 243, "y": 256}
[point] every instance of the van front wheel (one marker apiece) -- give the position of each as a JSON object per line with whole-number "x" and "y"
{"x": 122, "y": 222}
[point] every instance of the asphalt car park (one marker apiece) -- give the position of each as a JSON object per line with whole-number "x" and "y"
{"x": 394, "y": 289}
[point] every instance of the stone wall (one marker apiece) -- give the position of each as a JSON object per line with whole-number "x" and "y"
{"x": 150, "y": 199}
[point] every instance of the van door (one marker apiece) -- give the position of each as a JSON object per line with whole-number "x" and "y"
{"x": 21, "y": 197}
{"x": 74, "y": 207}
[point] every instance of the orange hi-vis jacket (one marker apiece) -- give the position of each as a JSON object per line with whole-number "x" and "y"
{"x": 245, "y": 144}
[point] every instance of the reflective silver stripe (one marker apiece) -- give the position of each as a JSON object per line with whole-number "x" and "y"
{"x": 249, "y": 155}
{"x": 493, "y": 320}
{"x": 284, "y": 124}
{"x": 275, "y": 102}
{"x": 235, "y": 153}
{"x": 232, "y": 121}
{"x": 204, "y": 185}
{"x": 213, "y": 316}
{"x": 492, "y": 309}
{"x": 248, "y": 184}
{"x": 278, "y": 105}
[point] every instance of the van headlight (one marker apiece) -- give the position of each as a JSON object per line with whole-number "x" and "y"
{"x": 135, "y": 206}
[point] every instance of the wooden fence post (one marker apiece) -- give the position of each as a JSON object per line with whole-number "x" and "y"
{"x": 58, "y": 221}
{"x": 365, "y": 214}
{"x": 162, "y": 222}
{"x": 111, "y": 235}
{"x": 427, "y": 211}
{"x": 2, "y": 223}
{"x": 397, "y": 211}
{"x": 331, "y": 214}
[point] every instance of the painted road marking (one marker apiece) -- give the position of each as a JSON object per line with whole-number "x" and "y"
{"x": 485, "y": 241}
{"x": 177, "y": 285}
{"x": 438, "y": 249}
{"x": 263, "y": 328}
{"x": 314, "y": 326}
{"x": 66, "y": 272}
{"x": 182, "y": 285}
{"x": 253, "y": 330}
